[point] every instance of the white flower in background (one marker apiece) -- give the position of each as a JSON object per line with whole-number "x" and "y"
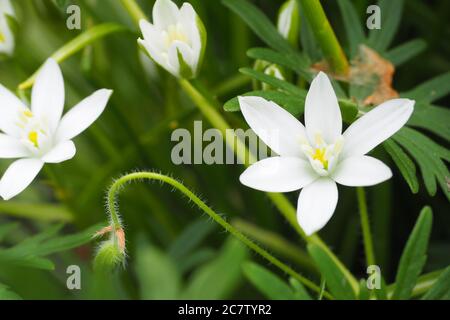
{"x": 288, "y": 21}
{"x": 39, "y": 134}
{"x": 6, "y": 34}
{"x": 176, "y": 40}
{"x": 318, "y": 155}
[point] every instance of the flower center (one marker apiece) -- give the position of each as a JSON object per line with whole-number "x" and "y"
{"x": 174, "y": 32}
{"x": 322, "y": 156}
{"x": 2, "y": 38}
{"x": 33, "y": 132}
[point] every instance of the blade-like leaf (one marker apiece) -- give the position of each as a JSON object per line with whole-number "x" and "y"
{"x": 7, "y": 294}
{"x": 260, "y": 24}
{"x": 268, "y": 283}
{"x": 300, "y": 292}
{"x": 391, "y": 13}
{"x": 432, "y": 118}
{"x": 413, "y": 257}
{"x": 441, "y": 288}
{"x": 336, "y": 281}
{"x": 404, "y": 163}
{"x": 353, "y": 25}
{"x": 430, "y": 90}
{"x": 406, "y": 51}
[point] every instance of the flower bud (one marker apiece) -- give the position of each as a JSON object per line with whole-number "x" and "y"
{"x": 7, "y": 16}
{"x": 176, "y": 40}
{"x": 288, "y": 21}
{"x": 269, "y": 69}
{"x": 110, "y": 253}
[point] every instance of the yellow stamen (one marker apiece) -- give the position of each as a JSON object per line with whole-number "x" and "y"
{"x": 173, "y": 34}
{"x": 33, "y": 137}
{"x": 27, "y": 113}
{"x": 319, "y": 154}
{"x": 2, "y": 38}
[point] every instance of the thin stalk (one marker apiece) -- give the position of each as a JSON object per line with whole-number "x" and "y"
{"x": 365, "y": 226}
{"x": 138, "y": 176}
{"x": 133, "y": 10}
{"x": 325, "y": 36}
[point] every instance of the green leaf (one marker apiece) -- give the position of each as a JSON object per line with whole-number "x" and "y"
{"x": 292, "y": 104}
{"x": 268, "y": 283}
{"x": 432, "y": 118}
{"x": 190, "y": 239}
{"x": 429, "y": 157}
{"x": 157, "y": 274}
{"x": 275, "y": 82}
{"x": 260, "y": 24}
{"x": 220, "y": 277}
{"x": 6, "y": 294}
{"x": 441, "y": 288}
{"x": 5, "y": 229}
{"x": 353, "y": 25}
{"x": 364, "y": 293}
{"x": 391, "y": 13}
{"x": 404, "y": 163}
{"x": 413, "y": 257}
{"x": 300, "y": 292}
{"x": 405, "y": 51}
{"x": 430, "y": 90}
{"x": 36, "y": 211}
{"x": 298, "y": 63}
{"x": 336, "y": 281}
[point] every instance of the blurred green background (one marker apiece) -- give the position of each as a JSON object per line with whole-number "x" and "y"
{"x": 173, "y": 250}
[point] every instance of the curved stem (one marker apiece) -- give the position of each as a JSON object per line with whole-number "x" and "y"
{"x": 365, "y": 226}
{"x": 116, "y": 224}
{"x": 133, "y": 10}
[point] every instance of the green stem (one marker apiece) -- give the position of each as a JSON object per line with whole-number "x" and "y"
{"x": 365, "y": 226}
{"x": 325, "y": 36}
{"x": 133, "y": 10}
{"x": 116, "y": 224}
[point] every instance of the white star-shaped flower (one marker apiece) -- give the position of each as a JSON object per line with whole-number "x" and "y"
{"x": 6, "y": 34}
{"x": 40, "y": 134}
{"x": 318, "y": 155}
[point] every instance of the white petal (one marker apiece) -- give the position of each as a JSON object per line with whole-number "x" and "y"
{"x": 376, "y": 126}
{"x": 8, "y": 43}
{"x": 316, "y": 204}
{"x": 151, "y": 34}
{"x": 11, "y": 148}
{"x": 276, "y": 127}
{"x": 61, "y": 152}
{"x": 165, "y": 13}
{"x": 278, "y": 174}
{"x": 47, "y": 97}
{"x": 322, "y": 113}
{"x": 188, "y": 19}
{"x": 361, "y": 171}
{"x": 80, "y": 117}
{"x": 10, "y": 107}
{"x": 18, "y": 176}
{"x": 179, "y": 47}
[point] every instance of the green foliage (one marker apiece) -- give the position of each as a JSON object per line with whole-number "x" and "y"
{"x": 271, "y": 285}
{"x": 441, "y": 289}
{"x": 413, "y": 257}
{"x": 7, "y": 294}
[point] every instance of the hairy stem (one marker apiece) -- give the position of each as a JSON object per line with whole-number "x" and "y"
{"x": 365, "y": 226}
{"x": 116, "y": 224}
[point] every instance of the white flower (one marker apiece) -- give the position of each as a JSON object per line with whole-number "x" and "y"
{"x": 316, "y": 156}
{"x": 6, "y": 34}
{"x": 176, "y": 40}
{"x": 39, "y": 134}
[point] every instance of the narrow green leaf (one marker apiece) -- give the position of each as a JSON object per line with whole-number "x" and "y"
{"x": 211, "y": 281}
{"x": 7, "y": 294}
{"x": 441, "y": 288}
{"x": 353, "y": 25}
{"x": 292, "y": 104}
{"x": 404, "y": 163}
{"x": 430, "y": 90}
{"x": 406, "y": 51}
{"x": 432, "y": 118}
{"x": 413, "y": 257}
{"x": 260, "y": 24}
{"x": 268, "y": 283}
{"x": 299, "y": 63}
{"x": 364, "y": 293}
{"x": 36, "y": 211}
{"x": 7, "y": 228}
{"x": 391, "y": 13}
{"x": 336, "y": 281}
{"x": 300, "y": 292}
{"x": 157, "y": 274}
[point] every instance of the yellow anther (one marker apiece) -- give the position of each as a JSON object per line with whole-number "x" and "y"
{"x": 27, "y": 113}
{"x": 319, "y": 154}
{"x": 2, "y": 37}
{"x": 33, "y": 137}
